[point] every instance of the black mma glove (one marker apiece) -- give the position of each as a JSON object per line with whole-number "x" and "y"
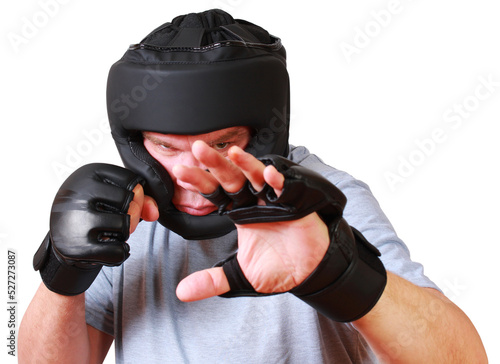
{"x": 349, "y": 280}
{"x": 89, "y": 227}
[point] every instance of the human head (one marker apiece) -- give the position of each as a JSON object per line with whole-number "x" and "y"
{"x": 199, "y": 73}
{"x": 171, "y": 150}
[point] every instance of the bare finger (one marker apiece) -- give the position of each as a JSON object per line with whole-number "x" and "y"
{"x": 274, "y": 179}
{"x": 135, "y": 207}
{"x": 150, "y": 210}
{"x": 199, "y": 180}
{"x": 251, "y": 167}
{"x": 229, "y": 175}
{"x": 203, "y": 284}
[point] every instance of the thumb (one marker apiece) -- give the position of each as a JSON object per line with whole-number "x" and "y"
{"x": 203, "y": 284}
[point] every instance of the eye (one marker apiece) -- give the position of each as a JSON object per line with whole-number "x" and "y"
{"x": 164, "y": 149}
{"x": 220, "y": 146}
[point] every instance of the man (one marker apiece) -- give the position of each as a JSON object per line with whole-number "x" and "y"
{"x": 198, "y": 111}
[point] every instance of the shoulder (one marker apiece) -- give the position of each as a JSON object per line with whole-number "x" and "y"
{"x": 364, "y": 213}
{"x": 343, "y": 180}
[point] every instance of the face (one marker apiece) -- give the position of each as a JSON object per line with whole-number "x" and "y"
{"x": 170, "y": 150}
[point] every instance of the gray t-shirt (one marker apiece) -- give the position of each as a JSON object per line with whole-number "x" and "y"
{"x": 136, "y": 302}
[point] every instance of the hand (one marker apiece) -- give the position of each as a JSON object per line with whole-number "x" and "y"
{"x": 275, "y": 257}
{"x": 89, "y": 226}
{"x": 141, "y": 207}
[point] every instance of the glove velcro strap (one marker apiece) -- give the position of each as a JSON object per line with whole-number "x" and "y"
{"x": 58, "y": 276}
{"x": 353, "y": 294}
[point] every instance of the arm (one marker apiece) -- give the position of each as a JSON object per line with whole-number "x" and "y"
{"x": 410, "y": 324}
{"x": 53, "y": 330}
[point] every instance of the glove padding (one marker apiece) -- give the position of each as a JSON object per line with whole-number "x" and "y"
{"x": 89, "y": 227}
{"x": 304, "y": 192}
{"x": 349, "y": 280}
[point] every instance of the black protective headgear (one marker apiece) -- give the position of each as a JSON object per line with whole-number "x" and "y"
{"x": 200, "y": 73}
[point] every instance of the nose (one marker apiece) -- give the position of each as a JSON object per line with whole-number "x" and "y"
{"x": 186, "y": 186}
{"x": 189, "y": 160}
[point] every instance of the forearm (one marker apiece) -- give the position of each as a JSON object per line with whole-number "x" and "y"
{"x": 411, "y": 324}
{"x": 53, "y": 329}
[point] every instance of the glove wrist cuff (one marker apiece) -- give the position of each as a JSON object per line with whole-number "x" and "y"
{"x": 355, "y": 292}
{"x": 59, "y": 277}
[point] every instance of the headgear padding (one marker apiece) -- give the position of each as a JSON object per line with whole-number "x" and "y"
{"x": 200, "y": 73}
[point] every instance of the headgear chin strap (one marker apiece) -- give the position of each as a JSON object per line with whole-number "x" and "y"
{"x": 187, "y": 86}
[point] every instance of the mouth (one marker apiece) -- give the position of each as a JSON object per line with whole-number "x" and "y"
{"x": 196, "y": 211}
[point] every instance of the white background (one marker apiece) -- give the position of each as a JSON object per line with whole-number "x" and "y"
{"x": 410, "y": 65}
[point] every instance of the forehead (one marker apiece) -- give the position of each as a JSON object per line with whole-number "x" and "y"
{"x": 236, "y": 133}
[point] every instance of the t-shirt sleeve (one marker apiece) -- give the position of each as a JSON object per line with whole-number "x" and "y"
{"x": 363, "y": 212}
{"x": 99, "y": 311}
